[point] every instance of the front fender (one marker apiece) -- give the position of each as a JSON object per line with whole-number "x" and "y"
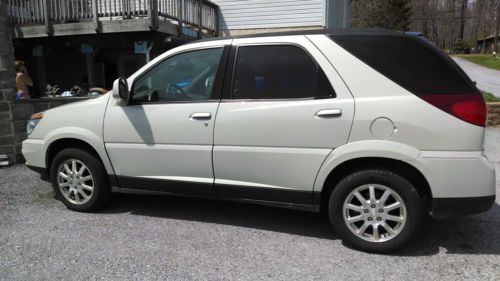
{"x": 81, "y": 134}
{"x": 363, "y": 149}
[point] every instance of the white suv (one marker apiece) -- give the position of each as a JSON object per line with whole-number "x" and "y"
{"x": 375, "y": 127}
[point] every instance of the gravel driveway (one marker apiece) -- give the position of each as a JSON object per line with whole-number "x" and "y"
{"x": 487, "y": 79}
{"x": 158, "y": 238}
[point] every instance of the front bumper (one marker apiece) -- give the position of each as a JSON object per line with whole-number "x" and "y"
{"x": 44, "y": 175}
{"x": 34, "y": 153}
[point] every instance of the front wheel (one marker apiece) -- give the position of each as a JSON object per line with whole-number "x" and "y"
{"x": 375, "y": 210}
{"x": 79, "y": 180}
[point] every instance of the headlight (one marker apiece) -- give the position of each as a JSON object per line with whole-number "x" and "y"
{"x": 35, "y": 118}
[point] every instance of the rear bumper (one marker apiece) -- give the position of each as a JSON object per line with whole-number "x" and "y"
{"x": 457, "y": 174}
{"x": 446, "y": 207}
{"x": 461, "y": 182}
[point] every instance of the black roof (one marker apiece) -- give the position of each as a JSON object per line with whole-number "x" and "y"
{"x": 340, "y": 31}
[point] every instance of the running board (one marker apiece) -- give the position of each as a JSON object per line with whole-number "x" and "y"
{"x": 293, "y": 206}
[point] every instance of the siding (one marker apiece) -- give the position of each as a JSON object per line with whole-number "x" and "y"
{"x": 248, "y": 14}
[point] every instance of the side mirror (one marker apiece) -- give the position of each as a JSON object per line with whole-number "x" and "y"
{"x": 120, "y": 89}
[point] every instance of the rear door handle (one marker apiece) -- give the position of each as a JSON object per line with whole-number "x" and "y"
{"x": 201, "y": 116}
{"x": 329, "y": 113}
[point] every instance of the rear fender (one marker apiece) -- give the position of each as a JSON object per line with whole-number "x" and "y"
{"x": 363, "y": 149}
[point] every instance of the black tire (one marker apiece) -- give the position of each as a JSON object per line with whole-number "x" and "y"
{"x": 397, "y": 183}
{"x": 102, "y": 191}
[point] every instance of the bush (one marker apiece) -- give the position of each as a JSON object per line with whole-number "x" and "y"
{"x": 461, "y": 47}
{"x": 490, "y": 97}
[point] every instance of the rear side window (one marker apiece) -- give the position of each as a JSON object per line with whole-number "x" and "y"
{"x": 408, "y": 61}
{"x": 278, "y": 72}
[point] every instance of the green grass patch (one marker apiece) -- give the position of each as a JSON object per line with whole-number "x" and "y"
{"x": 488, "y": 97}
{"x": 485, "y": 60}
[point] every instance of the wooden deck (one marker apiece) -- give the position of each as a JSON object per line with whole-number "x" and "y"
{"x": 42, "y": 18}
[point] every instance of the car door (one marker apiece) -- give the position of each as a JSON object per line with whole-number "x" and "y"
{"x": 284, "y": 110}
{"x": 162, "y": 139}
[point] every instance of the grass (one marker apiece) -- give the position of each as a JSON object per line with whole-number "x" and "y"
{"x": 490, "y": 97}
{"x": 485, "y": 60}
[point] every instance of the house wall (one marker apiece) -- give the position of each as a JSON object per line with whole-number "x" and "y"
{"x": 245, "y": 16}
{"x": 486, "y": 45}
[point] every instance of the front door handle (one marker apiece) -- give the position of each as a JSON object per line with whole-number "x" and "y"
{"x": 329, "y": 113}
{"x": 201, "y": 116}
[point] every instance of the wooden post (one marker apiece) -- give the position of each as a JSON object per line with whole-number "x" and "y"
{"x": 153, "y": 14}
{"x": 89, "y": 59}
{"x": 95, "y": 10}
{"x": 148, "y": 51}
{"x": 200, "y": 15}
{"x": 181, "y": 16}
{"x": 46, "y": 12}
{"x": 39, "y": 54}
{"x": 89, "y": 52}
{"x": 42, "y": 78}
{"x": 216, "y": 21}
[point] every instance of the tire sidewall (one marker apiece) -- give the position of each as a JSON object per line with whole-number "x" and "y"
{"x": 397, "y": 183}
{"x": 95, "y": 168}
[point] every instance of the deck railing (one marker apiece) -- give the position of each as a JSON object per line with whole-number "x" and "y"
{"x": 201, "y": 14}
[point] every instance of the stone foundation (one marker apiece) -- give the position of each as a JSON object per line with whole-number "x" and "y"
{"x": 13, "y": 123}
{"x": 494, "y": 114}
{"x": 7, "y": 95}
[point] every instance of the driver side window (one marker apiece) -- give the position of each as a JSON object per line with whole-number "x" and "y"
{"x": 188, "y": 76}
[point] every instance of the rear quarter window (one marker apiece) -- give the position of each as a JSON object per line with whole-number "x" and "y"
{"x": 408, "y": 61}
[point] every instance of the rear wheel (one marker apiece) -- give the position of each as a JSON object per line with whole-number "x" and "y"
{"x": 375, "y": 210}
{"x": 79, "y": 180}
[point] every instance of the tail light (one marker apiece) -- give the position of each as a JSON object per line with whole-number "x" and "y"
{"x": 468, "y": 107}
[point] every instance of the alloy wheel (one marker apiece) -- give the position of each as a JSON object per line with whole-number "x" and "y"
{"x": 75, "y": 181}
{"x": 374, "y": 212}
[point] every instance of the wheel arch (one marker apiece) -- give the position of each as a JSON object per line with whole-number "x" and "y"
{"x": 69, "y": 142}
{"x": 400, "y": 167}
